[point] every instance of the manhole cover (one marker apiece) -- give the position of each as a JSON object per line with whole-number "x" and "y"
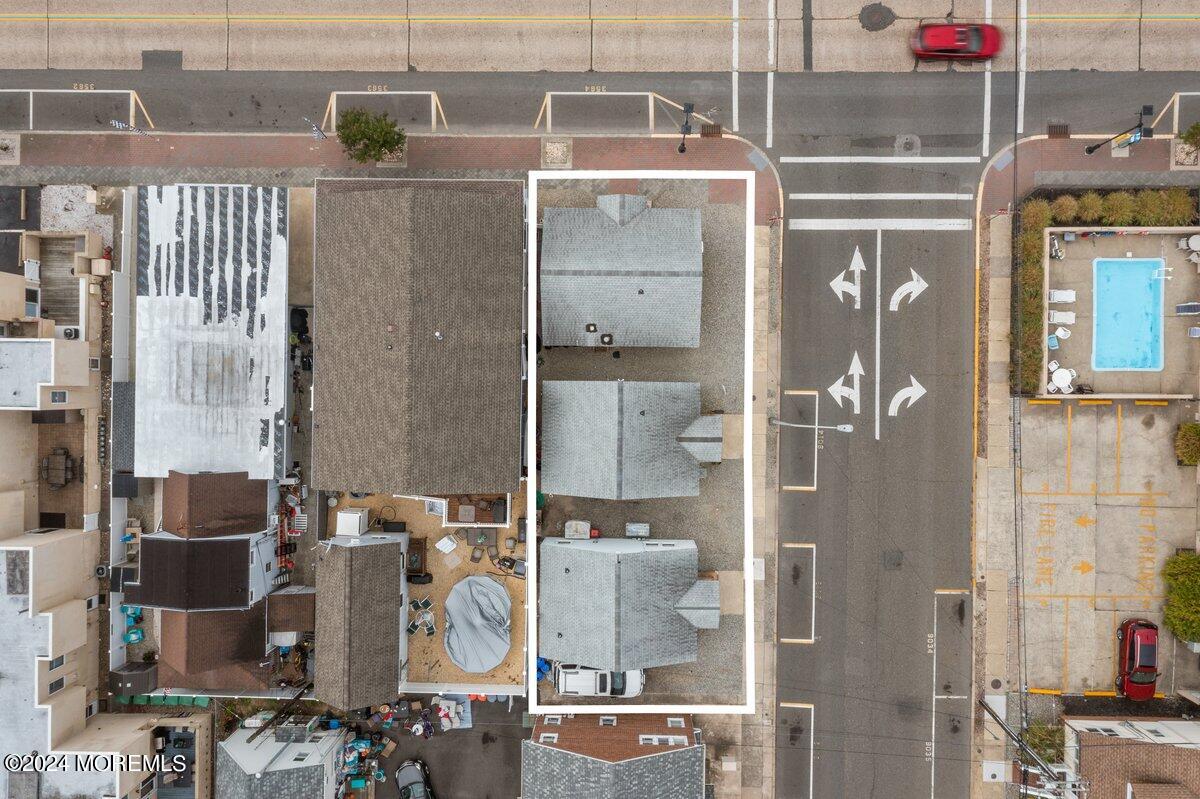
{"x": 908, "y": 144}
{"x": 892, "y": 559}
{"x": 876, "y": 17}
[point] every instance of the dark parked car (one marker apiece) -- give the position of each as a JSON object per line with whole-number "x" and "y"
{"x": 412, "y": 780}
{"x": 1137, "y": 659}
{"x": 948, "y": 40}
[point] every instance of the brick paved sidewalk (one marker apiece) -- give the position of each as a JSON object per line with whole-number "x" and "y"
{"x": 298, "y": 160}
{"x": 1063, "y": 163}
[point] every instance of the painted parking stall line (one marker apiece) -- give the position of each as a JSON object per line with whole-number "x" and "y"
{"x": 800, "y": 719}
{"x": 797, "y": 589}
{"x": 949, "y": 644}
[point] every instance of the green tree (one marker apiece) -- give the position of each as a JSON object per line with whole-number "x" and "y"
{"x": 1187, "y": 443}
{"x": 1191, "y": 136}
{"x": 1090, "y": 208}
{"x": 369, "y": 137}
{"x": 1181, "y": 614}
{"x": 1118, "y": 209}
{"x": 1064, "y": 209}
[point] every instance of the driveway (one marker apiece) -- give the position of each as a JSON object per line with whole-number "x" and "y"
{"x": 1103, "y": 505}
{"x": 483, "y": 762}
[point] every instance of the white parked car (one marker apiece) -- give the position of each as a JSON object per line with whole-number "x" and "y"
{"x": 572, "y": 680}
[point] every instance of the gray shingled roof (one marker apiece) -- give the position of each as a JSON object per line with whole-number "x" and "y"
{"x": 704, "y": 438}
{"x": 233, "y": 783}
{"x": 618, "y": 439}
{"x": 550, "y": 773}
{"x": 120, "y": 431}
{"x": 632, "y": 271}
{"x": 358, "y": 624}
{"x": 611, "y": 603}
{"x": 418, "y": 330}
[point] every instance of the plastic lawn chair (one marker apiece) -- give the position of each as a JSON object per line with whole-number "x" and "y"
{"x": 1052, "y": 341}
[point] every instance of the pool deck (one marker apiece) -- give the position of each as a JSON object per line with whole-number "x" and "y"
{"x": 1181, "y": 355}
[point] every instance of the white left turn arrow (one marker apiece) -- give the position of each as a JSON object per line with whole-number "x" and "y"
{"x": 840, "y": 391}
{"x": 912, "y": 289}
{"x": 909, "y": 394}
{"x": 841, "y": 286}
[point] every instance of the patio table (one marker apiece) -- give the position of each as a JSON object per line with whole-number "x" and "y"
{"x": 1194, "y": 241}
{"x": 1061, "y": 378}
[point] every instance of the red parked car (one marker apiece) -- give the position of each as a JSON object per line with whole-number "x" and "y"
{"x": 951, "y": 40}
{"x": 1137, "y": 659}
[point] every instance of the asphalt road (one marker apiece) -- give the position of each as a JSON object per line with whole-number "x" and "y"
{"x": 869, "y": 707}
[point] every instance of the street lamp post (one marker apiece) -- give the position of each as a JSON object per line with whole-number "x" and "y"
{"x": 686, "y": 127}
{"x": 841, "y": 428}
{"x": 1140, "y": 131}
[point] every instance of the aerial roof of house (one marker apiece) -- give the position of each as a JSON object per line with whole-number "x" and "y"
{"x": 622, "y": 604}
{"x": 292, "y": 609}
{"x": 198, "y": 574}
{"x": 418, "y": 332}
{"x": 622, "y": 269}
{"x": 358, "y": 623}
{"x": 1110, "y": 764}
{"x": 620, "y": 439}
{"x": 212, "y": 329}
{"x": 266, "y": 768}
{"x": 633, "y": 755}
{"x": 208, "y": 504}
{"x": 218, "y": 649}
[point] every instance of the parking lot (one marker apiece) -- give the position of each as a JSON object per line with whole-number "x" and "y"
{"x": 1103, "y": 504}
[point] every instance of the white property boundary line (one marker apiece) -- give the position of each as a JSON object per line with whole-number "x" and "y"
{"x": 880, "y": 159}
{"x": 535, "y": 707}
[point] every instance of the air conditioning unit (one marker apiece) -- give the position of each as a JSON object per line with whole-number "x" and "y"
{"x": 69, "y": 332}
{"x": 352, "y": 521}
{"x": 101, "y": 572}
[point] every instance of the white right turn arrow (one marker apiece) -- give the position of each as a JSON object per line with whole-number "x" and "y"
{"x": 912, "y": 289}
{"x": 909, "y": 394}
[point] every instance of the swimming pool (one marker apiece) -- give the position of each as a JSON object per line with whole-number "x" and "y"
{"x": 1127, "y": 315}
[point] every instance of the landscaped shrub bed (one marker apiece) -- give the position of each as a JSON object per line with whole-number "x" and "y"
{"x": 1174, "y": 207}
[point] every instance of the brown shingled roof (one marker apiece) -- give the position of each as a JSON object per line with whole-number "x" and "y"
{"x": 201, "y": 641}
{"x": 182, "y": 574}
{"x": 1109, "y": 764}
{"x": 292, "y": 610}
{"x": 585, "y": 735}
{"x": 417, "y": 388}
{"x": 208, "y": 504}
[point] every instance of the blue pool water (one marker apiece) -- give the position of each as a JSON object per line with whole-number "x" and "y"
{"x": 1127, "y": 314}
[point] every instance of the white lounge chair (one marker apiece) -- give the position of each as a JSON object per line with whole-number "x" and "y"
{"x": 1052, "y": 366}
{"x": 1062, "y": 332}
{"x": 1062, "y": 317}
{"x": 1062, "y": 296}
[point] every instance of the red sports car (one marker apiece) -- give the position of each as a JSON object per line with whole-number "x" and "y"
{"x": 950, "y": 40}
{"x": 1137, "y": 659}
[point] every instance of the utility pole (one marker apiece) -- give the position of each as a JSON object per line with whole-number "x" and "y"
{"x": 1052, "y": 781}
